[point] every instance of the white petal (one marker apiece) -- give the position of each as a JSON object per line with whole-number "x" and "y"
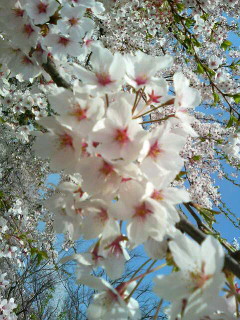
{"x": 186, "y": 253}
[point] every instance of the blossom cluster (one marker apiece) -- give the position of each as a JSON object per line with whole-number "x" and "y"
{"x": 121, "y": 183}
{"x": 120, "y": 178}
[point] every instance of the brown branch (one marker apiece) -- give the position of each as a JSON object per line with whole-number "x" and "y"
{"x": 50, "y": 68}
{"x": 185, "y": 226}
{"x": 206, "y": 229}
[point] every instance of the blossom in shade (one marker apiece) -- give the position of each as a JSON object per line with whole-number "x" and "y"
{"x": 95, "y": 217}
{"x": 60, "y": 143}
{"x": 27, "y": 35}
{"x": 109, "y": 303}
{"x": 74, "y": 22}
{"x": 66, "y": 205}
{"x": 41, "y": 10}
{"x": 62, "y": 45}
{"x": 79, "y": 111}
{"x": 103, "y": 178}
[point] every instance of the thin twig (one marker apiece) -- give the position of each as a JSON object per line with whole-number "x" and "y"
{"x": 158, "y": 309}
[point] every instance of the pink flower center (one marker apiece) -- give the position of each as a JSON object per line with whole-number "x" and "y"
{"x": 140, "y": 80}
{"x": 237, "y": 289}
{"x": 153, "y": 97}
{"x": 103, "y": 215}
{"x": 83, "y": 147}
{"x": 126, "y": 179}
{"x": 88, "y": 42}
{"x": 121, "y": 136}
{"x": 66, "y": 140}
{"x": 154, "y": 150}
{"x": 106, "y": 169}
{"x": 95, "y": 256}
{"x": 27, "y": 28}
{"x": 157, "y": 195}
{"x": 95, "y": 144}
{"x": 63, "y": 41}
{"x": 78, "y": 211}
{"x": 42, "y": 7}
{"x": 80, "y": 191}
{"x": 142, "y": 211}
{"x": 104, "y": 79}
{"x": 79, "y": 113}
{"x": 26, "y": 60}
{"x": 18, "y": 12}
{"x": 73, "y": 21}
{"x": 115, "y": 246}
{"x": 112, "y": 296}
{"x": 199, "y": 277}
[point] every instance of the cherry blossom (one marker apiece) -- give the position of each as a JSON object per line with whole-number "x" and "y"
{"x": 121, "y": 185}
{"x": 60, "y": 142}
{"x": 200, "y": 275}
{"x": 146, "y": 217}
{"x": 120, "y": 137}
{"x": 109, "y": 303}
{"x": 77, "y": 110}
{"x": 107, "y": 76}
{"x": 41, "y": 10}
{"x": 74, "y": 22}
{"x": 61, "y": 45}
{"x": 141, "y": 69}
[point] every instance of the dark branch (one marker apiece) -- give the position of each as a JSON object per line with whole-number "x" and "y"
{"x": 185, "y": 226}
{"x": 50, "y": 68}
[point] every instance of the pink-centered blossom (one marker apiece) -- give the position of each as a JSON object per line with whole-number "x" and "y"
{"x": 78, "y": 111}
{"x": 60, "y": 143}
{"x": 141, "y": 69}
{"x": 120, "y": 138}
{"x": 41, "y": 10}
{"x": 200, "y": 275}
{"x": 107, "y": 74}
{"x": 144, "y": 215}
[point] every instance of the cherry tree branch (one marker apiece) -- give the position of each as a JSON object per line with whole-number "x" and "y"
{"x": 51, "y": 69}
{"x": 184, "y": 225}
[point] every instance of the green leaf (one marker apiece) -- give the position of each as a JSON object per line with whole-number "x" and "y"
{"x": 216, "y": 97}
{"x": 226, "y": 44}
{"x": 177, "y": 18}
{"x": 231, "y": 121}
{"x": 196, "y": 43}
{"x": 200, "y": 68}
{"x": 189, "y": 23}
{"x": 180, "y": 6}
{"x": 236, "y": 97}
{"x": 180, "y": 175}
{"x": 41, "y": 255}
{"x": 148, "y": 36}
{"x": 205, "y": 16}
{"x": 210, "y": 71}
{"x": 208, "y": 215}
{"x": 196, "y": 158}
